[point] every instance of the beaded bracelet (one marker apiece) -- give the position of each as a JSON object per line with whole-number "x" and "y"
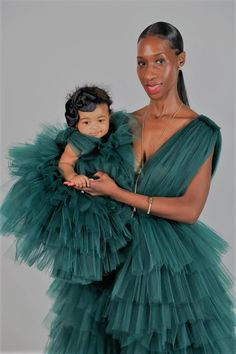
{"x": 150, "y": 200}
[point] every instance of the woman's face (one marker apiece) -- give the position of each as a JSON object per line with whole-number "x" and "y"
{"x": 157, "y": 66}
{"x": 94, "y": 123}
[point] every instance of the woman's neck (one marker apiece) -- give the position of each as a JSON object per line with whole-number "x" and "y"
{"x": 164, "y": 107}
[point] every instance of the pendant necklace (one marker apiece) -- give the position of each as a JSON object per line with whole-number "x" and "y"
{"x": 141, "y": 165}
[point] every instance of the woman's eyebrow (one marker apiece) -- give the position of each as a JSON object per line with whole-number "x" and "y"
{"x": 153, "y": 55}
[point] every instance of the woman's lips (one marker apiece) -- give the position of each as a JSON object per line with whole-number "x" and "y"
{"x": 152, "y": 89}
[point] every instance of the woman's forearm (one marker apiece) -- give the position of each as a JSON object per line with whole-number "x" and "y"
{"x": 174, "y": 208}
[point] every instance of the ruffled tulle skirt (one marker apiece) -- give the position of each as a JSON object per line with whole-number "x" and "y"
{"x": 73, "y": 236}
{"x": 173, "y": 295}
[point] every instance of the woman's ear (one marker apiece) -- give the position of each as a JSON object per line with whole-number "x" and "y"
{"x": 181, "y": 59}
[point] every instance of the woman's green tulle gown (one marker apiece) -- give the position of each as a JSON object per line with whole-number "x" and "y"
{"x": 171, "y": 293}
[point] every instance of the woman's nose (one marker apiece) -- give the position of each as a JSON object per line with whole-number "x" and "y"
{"x": 150, "y": 73}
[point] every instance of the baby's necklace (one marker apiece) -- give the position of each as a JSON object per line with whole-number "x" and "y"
{"x": 142, "y": 159}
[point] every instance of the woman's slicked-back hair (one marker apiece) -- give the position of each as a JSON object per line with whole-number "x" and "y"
{"x": 85, "y": 99}
{"x": 165, "y": 30}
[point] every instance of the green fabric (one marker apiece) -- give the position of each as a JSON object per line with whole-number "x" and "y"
{"x": 172, "y": 294}
{"x": 74, "y": 236}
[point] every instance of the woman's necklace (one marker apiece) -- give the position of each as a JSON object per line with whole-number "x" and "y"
{"x": 142, "y": 133}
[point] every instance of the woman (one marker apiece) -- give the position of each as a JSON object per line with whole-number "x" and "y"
{"x": 172, "y": 295}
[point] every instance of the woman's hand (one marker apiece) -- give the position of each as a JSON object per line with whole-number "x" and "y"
{"x": 103, "y": 186}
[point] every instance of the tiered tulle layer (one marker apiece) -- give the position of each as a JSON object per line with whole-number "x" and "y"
{"x": 77, "y": 319}
{"x": 172, "y": 295}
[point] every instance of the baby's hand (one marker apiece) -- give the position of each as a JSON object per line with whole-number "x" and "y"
{"x": 80, "y": 181}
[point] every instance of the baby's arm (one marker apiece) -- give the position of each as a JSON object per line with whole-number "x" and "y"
{"x": 67, "y": 163}
{"x": 66, "y": 167}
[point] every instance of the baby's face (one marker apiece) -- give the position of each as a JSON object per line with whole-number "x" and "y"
{"x": 94, "y": 123}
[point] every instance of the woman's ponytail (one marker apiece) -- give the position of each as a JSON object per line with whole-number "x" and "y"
{"x": 181, "y": 89}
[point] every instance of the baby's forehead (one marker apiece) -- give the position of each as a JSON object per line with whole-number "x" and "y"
{"x": 101, "y": 110}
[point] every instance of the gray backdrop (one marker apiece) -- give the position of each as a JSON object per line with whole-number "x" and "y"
{"x": 50, "y": 47}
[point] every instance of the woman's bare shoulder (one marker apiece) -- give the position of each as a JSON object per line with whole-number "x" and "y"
{"x": 188, "y": 113}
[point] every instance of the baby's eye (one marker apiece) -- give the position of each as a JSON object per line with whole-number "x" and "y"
{"x": 85, "y": 123}
{"x": 101, "y": 120}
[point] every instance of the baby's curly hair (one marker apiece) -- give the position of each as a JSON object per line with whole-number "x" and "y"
{"x": 85, "y": 99}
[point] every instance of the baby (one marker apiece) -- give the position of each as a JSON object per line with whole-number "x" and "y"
{"x": 79, "y": 237}
{"x": 90, "y": 115}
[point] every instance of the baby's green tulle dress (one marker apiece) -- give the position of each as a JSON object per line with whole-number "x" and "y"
{"x": 75, "y": 236}
{"x": 171, "y": 294}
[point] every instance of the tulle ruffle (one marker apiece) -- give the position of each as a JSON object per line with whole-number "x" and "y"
{"x": 77, "y": 319}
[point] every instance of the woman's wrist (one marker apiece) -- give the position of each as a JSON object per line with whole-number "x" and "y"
{"x": 122, "y": 195}
{"x": 137, "y": 201}
{"x": 116, "y": 193}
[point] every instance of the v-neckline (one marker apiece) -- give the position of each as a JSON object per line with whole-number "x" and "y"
{"x": 156, "y": 152}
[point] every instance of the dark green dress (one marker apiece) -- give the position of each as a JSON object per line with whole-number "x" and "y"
{"x": 173, "y": 295}
{"x": 75, "y": 236}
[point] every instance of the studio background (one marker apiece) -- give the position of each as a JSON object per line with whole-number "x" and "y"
{"x": 48, "y": 48}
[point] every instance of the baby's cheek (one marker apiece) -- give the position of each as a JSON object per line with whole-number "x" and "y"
{"x": 107, "y": 128}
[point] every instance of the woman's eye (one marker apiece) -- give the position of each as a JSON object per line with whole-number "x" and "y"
{"x": 160, "y": 60}
{"x": 141, "y": 63}
{"x": 101, "y": 120}
{"x": 85, "y": 123}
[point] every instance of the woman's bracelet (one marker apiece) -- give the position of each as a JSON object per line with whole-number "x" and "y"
{"x": 150, "y": 200}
